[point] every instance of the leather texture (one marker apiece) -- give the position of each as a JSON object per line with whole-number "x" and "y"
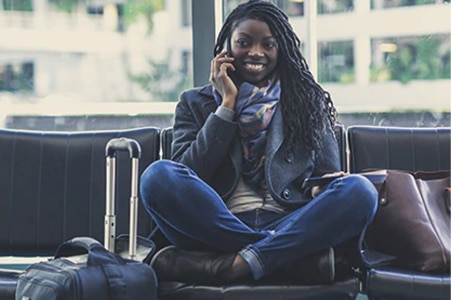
{"x": 25, "y": 153}
{"x": 412, "y": 222}
{"x": 412, "y": 149}
{"x": 345, "y": 289}
{"x": 52, "y": 188}
{"x": 401, "y": 148}
{"x": 401, "y": 284}
{"x": 8, "y": 283}
{"x": 60, "y": 176}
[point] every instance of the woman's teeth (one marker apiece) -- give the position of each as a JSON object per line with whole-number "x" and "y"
{"x": 254, "y": 67}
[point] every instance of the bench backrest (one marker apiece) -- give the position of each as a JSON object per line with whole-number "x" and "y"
{"x": 52, "y": 187}
{"x": 401, "y": 148}
{"x": 166, "y": 142}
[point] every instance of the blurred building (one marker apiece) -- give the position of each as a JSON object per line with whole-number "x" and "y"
{"x": 373, "y": 55}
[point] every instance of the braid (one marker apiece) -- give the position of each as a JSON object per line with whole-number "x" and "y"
{"x": 306, "y": 107}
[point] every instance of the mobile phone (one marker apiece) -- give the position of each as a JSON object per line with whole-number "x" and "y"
{"x": 317, "y": 181}
{"x": 377, "y": 177}
{"x": 228, "y": 47}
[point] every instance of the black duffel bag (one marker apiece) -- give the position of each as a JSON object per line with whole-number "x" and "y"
{"x": 83, "y": 269}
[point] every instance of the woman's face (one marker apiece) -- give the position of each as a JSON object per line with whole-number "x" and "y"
{"x": 255, "y": 51}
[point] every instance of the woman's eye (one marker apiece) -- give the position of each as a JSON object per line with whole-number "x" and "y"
{"x": 242, "y": 43}
{"x": 271, "y": 45}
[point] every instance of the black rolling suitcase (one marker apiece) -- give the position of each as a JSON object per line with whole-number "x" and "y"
{"x": 83, "y": 268}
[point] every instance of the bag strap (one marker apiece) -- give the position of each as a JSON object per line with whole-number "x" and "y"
{"x": 97, "y": 254}
{"x": 100, "y": 257}
{"x": 116, "y": 283}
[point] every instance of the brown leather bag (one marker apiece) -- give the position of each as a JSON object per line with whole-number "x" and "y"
{"x": 413, "y": 220}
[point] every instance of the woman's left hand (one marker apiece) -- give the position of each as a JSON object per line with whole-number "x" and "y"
{"x": 318, "y": 189}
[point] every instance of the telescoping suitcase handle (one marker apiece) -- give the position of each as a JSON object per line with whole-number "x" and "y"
{"x": 114, "y": 146}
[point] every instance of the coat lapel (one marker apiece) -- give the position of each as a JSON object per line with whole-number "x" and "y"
{"x": 275, "y": 133}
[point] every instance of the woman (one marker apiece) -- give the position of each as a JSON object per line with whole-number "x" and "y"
{"x": 231, "y": 200}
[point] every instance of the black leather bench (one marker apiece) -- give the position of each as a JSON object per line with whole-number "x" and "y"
{"x": 413, "y": 149}
{"x": 52, "y": 188}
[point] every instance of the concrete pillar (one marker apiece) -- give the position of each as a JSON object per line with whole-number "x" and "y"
{"x": 311, "y": 45}
{"x": 204, "y": 36}
{"x": 362, "y": 59}
{"x": 362, "y": 45}
{"x": 40, "y": 6}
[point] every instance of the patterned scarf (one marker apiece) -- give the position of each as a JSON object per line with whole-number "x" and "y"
{"x": 254, "y": 109}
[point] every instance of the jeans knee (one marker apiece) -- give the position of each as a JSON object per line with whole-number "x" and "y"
{"x": 364, "y": 194}
{"x": 155, "y": 170}
{"x": 155, "y": 178}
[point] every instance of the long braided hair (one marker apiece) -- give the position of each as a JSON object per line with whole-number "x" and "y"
{"x": 306, "y": 107}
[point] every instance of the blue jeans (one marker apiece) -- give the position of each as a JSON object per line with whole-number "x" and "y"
{"x": 193, "y": 216}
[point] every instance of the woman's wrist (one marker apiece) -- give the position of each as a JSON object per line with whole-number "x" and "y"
{"x": 225, "y": 113}
{"x": 229, "y": 102}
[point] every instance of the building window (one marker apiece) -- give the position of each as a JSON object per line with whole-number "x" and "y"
{"x": 383, "y": 4}
{"x": 297, "y": 7}
{"x": 17, "y": 5}
{"x": 186, "y": 13}
{"x": 409, "y": 58}
{"x": 186, "y": 62}
{"x": 336, "y": 62}
{"x": 335, "y": 6}
{"x": 294, "y": 7}
{"x": 17, "y": 77}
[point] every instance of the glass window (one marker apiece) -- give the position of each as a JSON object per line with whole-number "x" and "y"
{"x": 77, "y": 65}
{"x": 17, "y": 77}
{"x": 336, "y": 62}
{"x": 294, "y": 7}
{"x": 186, "y": 13}
{"x": 94, "y": 61}
{"x": 335, "y": 6}
{"x": 382, "y": 4}
{"x": 411, "y": 58}
{"x": 297, "y": 7}
{"x": 18, "y": 5}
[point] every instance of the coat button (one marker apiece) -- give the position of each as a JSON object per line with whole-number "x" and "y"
{"x": 286, "y": 194}
{"x": 289, "y": 157}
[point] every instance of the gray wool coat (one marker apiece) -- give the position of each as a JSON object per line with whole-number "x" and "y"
{"x": 210, "y": 146}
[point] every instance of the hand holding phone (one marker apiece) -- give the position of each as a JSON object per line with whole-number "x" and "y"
{"x": 320, "y": 180}
{"x": 221, "y": 79}
{"x": 231, "y": 73}
{"x": 376, "y": 177}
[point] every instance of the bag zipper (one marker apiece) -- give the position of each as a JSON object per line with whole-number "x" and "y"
{"x": 48, "y": 267}
{"x": 46, "y": 283}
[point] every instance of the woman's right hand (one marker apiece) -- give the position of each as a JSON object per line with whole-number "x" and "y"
{"x": 221, "y": 80}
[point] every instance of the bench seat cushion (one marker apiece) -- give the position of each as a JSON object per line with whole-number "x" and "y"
{"x": 346, "y": 289}
{"x": 390, "y": 282}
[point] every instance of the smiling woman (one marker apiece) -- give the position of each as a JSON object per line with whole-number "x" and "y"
{"x": 215, "y": 89}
